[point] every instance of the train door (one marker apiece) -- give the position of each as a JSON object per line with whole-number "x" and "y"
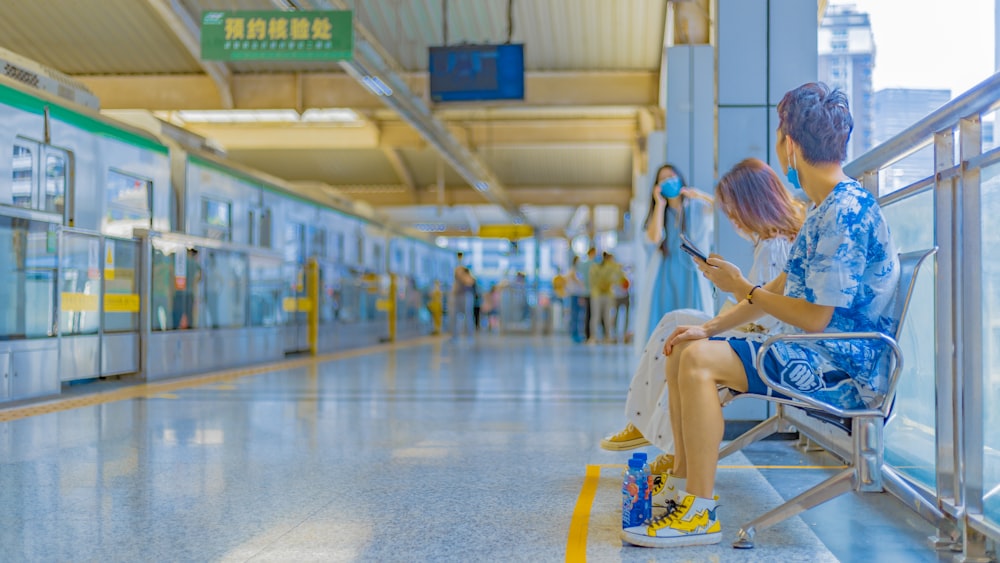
{"x": 295, "y": 303}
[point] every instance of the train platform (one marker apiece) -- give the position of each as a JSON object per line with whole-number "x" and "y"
{"x": 427, "y": 450}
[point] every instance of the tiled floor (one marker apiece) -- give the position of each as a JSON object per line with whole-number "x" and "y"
{"x": 436, "y": 451}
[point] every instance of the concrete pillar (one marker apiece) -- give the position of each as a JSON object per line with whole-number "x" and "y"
{"x": 765, "y": 48}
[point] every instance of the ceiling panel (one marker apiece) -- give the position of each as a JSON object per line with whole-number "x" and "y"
{"x": 585, "y": 165}
{"x": 77, "y": 37}
{"x": 334, "y": 167}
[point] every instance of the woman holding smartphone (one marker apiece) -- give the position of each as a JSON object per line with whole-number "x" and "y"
{"x": 762, "y": 210}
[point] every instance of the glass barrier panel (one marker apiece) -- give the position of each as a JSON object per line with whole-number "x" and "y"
{"x": 409, "y": 300}
{"x": 121, "y": 291}
{"x": 990, "y": 206}
{"x": 990, "y": 130}
{"x": 176, "y": 286}
{"x": 80, "y": 284}
{"x": 910, "y": 433}
{"x": 330, "y": 293}
{"x": 224, "y": 299}
{"x": 294, "y": 276}
{"x": 266, "y": 289}
{"x": 906, "y": 171}
{"x": 28, "y": 260}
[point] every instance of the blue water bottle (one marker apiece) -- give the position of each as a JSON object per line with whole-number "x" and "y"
{"x": 635, "y": 491}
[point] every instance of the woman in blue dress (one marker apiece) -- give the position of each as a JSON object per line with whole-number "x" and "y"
{"x": 673, "y": 281}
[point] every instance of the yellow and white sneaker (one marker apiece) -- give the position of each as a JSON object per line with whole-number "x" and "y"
{"x": 661, "y": 464}
{"x": 694, "y": 521}
{"x": 665, "y": 492}
{"x": 628, "y": 439}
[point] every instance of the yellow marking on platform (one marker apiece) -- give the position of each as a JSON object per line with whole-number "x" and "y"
{"x": 148, "y": 390}
{"x": 164, "y": 396}
{"x": 576, "y": 543}
{"x": 223, "y": 387}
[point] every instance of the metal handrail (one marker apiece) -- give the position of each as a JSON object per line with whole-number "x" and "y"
{"x": 982, "y": 98}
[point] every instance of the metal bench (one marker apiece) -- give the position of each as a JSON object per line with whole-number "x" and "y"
{"x": 867, "y": 471}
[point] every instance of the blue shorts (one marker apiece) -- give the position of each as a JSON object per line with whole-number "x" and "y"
{"x": 799, "y": 367}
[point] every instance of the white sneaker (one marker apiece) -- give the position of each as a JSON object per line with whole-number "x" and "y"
{"x": 694, "y": 521}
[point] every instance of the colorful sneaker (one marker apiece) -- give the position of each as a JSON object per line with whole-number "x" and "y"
{"x": 628, "y": 439}
{"x": 694, "y": 521}
{"x": 664, "y": 494}
{"x": 663, "y": 463}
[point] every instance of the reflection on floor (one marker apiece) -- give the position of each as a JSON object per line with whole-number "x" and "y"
{"x": 424, "y": 451}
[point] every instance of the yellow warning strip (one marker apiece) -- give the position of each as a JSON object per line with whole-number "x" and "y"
{"x": 163, "y": 389}
{"x": 576, "y": 544}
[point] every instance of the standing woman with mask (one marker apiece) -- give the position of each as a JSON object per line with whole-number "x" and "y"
{"x": 673, "y": 281}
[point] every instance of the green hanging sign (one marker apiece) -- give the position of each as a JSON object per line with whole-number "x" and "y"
{"x": 277, "y": 36}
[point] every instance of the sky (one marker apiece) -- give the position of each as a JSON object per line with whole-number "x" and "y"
{"x": 946, "y": 44}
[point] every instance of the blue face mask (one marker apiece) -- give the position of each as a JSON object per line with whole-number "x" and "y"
{"x": 671, "y": 187}
{"x": 793, "y": 179}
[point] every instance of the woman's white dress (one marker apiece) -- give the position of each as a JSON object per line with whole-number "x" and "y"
{"x": 647, "y": 406}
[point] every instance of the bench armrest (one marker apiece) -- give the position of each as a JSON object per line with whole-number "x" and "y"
{"x": 881, "y": 409}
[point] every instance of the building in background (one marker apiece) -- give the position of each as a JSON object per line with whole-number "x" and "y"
{"x": 895, "y": 110}
{"x": 846, "y": 59}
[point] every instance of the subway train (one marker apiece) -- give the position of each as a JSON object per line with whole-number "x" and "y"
{"x": 130, "y": 252}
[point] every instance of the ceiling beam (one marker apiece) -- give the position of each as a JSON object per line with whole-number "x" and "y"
{"x": 395, "y": 159}
{"x": 188, "y": 32}
{"x": 338, "y": 90}
{"x": 401, "y": 196}
{"x": 398, "y": 135}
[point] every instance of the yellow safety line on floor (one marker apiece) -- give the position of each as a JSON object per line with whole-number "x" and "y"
{"x": 576, "y": 543}
{"x": 162, "y": 389}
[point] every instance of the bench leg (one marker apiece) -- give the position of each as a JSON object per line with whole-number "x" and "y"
{"x": 831, "y": 488}
{"x": 895, "y": 484}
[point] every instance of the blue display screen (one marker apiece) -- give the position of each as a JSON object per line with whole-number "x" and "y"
{"x": 476, "y": 73}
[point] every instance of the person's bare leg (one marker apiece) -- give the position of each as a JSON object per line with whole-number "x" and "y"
{"x": 703, "y": 365}
{"x": 676, "y": 418}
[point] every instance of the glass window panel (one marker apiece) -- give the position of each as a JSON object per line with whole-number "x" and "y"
{"x": 28, "y": 255}
{"x": 318, "y": 242}
{"x": 216, "y": 222}
{"x": 990, "y": 206}
{"x": 265, "y": 229}
{"x": 329, "y": 293}
{"x": 80, "y": 284}
{"x": 22, "y": 176}
{"x": 176, "y": 286}
{"x": 295, "y": 244}
{"x": 910, "y": 434}
{"x": 121, "y": 300}
{"x": 225, "y": 291}
{"x": 56, "y": 178}
{"x": 266, "y": 289}
{"x": 127, "y": 204}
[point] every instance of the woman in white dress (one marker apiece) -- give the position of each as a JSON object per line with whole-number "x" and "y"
{"x": 762, "y": 210}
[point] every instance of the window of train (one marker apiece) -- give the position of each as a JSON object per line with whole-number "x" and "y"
{"x": 319, "y": 242}
{"x": 264, "y": 239}
{"x": 252, "y": 231}
{"x": 339, "y": 248}
{"x": 23, "y": 174}
{"x": 28, "y": 260}
{"x": 216, "y": 219}
{"x": 223, "y": 301}
{"x": 56, "y": 178}
{"x": 295, "y": 243}
{"x": 128, "y": 203}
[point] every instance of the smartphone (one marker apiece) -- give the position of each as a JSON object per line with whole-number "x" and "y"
{"x": 691, "y": 249}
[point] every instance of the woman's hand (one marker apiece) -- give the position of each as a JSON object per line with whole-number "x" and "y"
{"x": 697, "y": 194}
{"x": 684, "y": 333}
{"x": 724, "y": 275}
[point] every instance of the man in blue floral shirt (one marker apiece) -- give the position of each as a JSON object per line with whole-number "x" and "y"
{"x": 841, "y": 276}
